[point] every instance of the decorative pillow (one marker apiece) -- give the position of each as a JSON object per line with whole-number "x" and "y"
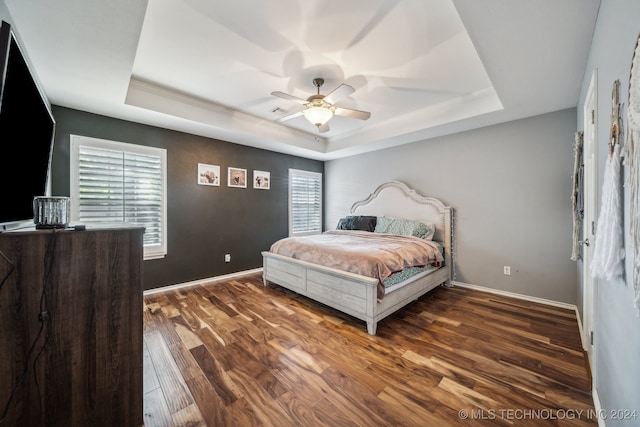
{"x": 424, "y": 231}
{"x": 391, "y": 225}
{"x": 362, "y": 222}
{"x": 405, "y": 227}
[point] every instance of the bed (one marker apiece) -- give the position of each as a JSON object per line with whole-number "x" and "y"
{"x": 361, "y": 293}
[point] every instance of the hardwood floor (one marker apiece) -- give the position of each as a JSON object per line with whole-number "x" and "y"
{"x": 235, "y": 353}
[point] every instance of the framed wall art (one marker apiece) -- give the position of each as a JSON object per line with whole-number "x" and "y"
{"x": 208, "y": 174}
{"x": 237, "y": 178}
{"x": 261, "y": 180}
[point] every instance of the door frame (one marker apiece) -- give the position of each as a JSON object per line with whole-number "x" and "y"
{"x": 590, "y": 159}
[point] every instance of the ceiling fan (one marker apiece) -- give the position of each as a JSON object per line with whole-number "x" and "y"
{"x": 319, "y": 109}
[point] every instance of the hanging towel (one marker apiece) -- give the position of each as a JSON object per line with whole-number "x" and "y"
{"x": 608, "y": 254}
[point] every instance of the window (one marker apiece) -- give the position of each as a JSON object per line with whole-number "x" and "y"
{"x": 114, "y": 182}
{"x": 305, "y": 202}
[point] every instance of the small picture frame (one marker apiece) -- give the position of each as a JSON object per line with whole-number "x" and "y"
{"x": 208, "y": 174}
{"x": 237, "y": 178}
{"x": 261, "y": 180}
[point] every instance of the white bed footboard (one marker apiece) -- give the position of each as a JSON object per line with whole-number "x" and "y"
{"x": 349, "y": 293}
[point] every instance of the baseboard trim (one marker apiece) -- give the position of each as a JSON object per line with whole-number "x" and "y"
{"x": 594, "y": 392}
{"x": 532, "y": 299}
{"x": 518, "y": 296}
{"x": 202, "y": 281}
{"x": 598, "y": 407}
{"x": 454, "y": 283}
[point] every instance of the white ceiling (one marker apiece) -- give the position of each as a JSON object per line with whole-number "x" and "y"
{"x": 423, "y": 68}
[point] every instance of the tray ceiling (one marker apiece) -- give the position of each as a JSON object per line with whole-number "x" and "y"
{"x": 423, "y": 68}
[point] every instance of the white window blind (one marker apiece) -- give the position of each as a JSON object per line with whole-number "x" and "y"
{"x": 115, "y": 182}
{"x": 305, "y": 202}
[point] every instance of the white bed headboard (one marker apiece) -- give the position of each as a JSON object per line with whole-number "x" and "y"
{"x": 396, "y": 199}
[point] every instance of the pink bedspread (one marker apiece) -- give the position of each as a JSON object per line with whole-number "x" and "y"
{"x": 369, "y": 254}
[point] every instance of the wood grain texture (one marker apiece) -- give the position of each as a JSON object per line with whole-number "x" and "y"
{"x": 252, "y": 356}
{"x": 71, "y": 327}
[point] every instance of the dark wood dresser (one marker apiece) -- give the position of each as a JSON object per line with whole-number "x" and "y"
{"x": 71, "y": 327}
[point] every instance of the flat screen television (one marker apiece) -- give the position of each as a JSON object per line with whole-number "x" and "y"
{"x": 27, "y": 129}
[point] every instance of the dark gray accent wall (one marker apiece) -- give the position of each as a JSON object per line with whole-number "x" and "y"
{"x": 204, "y": 222}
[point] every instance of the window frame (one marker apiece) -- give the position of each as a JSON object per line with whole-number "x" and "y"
{"x": 154, "y": 251}
{"x": 296, "y": 173}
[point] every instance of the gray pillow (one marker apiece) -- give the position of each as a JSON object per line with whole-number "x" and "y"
{"x": 358, "y": 222}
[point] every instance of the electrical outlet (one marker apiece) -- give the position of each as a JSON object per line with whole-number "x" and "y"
{"x": 507, "y": 270}
{"x": 227, "y": 258}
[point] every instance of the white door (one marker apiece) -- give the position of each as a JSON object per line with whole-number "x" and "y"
{"x": 590, "y": 206}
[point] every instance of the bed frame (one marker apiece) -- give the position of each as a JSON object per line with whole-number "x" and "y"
{"x": 354, "y": 294}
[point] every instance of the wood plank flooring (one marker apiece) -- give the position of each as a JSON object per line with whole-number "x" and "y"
{"x": 234, "y": 353}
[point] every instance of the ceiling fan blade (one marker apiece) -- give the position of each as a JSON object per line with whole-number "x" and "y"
{"x": 353, "y": 114}
{"x": 339, "y": 93}
{"x": 289, "y": 117}
{"x": 324, "y": 128}
{"x": 289, "y": 97}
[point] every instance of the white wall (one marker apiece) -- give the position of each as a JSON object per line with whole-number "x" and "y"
{"x": 616, "y": 322}
{"x": 4, "y": 13}
{"x": 510, "y": 186}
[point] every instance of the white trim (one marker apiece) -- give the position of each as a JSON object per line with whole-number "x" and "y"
{"x": 453, "y": 283}
{"x": 598, "y": 407}
{"x": 201, "y": 281}
{"x": 151, "y": 251}
{"x": 590, "y": 160}
{"x": 518, "y": 296}
{"x": 532, "y": 299}
{"x": 580, "y": 330}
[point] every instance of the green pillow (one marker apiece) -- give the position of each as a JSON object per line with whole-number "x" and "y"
{"x": 404, "y": 227}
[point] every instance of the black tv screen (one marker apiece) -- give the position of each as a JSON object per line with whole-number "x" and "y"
{"x": 27, "y": 129}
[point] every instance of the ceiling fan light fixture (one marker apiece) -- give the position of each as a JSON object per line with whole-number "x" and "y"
{"x": 319, "y": 109}
{"x": 318, "y": 115}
